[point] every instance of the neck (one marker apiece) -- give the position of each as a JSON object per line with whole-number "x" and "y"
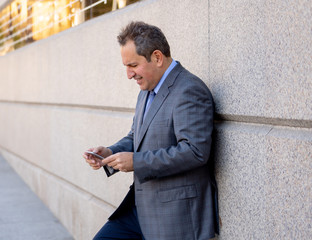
{"x": 166, "y": 64}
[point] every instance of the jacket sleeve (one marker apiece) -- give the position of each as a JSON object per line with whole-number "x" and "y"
{"x": 125, "y": 144}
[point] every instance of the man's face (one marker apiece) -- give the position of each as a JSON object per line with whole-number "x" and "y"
{"x": 145, "y": 73}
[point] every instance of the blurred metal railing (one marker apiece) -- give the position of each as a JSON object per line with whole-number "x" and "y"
{"x": 23, "y": 23}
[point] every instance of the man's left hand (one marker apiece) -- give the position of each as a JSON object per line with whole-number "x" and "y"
{"x": 122, "y": 161}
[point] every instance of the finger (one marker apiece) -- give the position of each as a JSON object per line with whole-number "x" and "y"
{"x": 108, "y": 160}
{"x": 96, "y": 164}
{"x": 120, "y": 168}
{"x": 96, "y": 167}
{"x": 97, "y": 150}
{"x": 88, "y": 155}
{"x": 90, "y": 161}
{"x": 113, "y": 165}
{"x": 85, "y": 156}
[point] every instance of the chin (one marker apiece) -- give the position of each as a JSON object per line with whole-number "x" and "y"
{"x": 143, "y": 88}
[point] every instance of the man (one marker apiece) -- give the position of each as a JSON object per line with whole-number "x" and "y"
{"x": 174, "y": 192}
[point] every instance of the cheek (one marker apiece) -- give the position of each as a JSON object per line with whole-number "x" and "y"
{"x": 141, "y": 72}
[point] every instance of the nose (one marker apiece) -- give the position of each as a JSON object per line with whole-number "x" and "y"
{"x": 130, "y": 73}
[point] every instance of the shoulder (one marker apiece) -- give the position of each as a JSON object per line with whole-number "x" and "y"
{"x": 190, "y": 83}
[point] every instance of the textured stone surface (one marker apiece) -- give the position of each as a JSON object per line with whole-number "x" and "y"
{"x": 54, "y": 139}
{"x": 260, "y": 58}
{"x": 288, "y": 184}
{"x": 289, "y": 58}
{"x": 264, "y": 175}
{"x": 241, "y": 176}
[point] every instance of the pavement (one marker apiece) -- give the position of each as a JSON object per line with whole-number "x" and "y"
{"x": 23, "y": 216}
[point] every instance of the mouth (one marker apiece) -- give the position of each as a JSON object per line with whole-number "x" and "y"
{"x": 138, "y": 80}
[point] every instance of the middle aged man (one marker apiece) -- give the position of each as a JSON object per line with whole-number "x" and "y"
{"x": 174, "y": 192}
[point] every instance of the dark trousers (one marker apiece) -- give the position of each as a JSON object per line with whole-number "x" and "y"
{"x": 125, "y": 226}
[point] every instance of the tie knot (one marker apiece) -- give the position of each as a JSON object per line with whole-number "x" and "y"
{"x": 152, "y": 93}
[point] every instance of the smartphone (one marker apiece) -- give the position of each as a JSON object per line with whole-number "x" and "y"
{"x": 95, "y": 154}
{"x": 109, "y": 170}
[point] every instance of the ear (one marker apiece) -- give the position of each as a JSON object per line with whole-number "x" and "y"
{"x": 158, "y": 58}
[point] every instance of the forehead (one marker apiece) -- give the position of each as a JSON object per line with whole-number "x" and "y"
{"x": 129, "y": 54}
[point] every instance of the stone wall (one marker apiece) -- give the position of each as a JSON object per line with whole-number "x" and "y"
{"x": 66, "y": 93}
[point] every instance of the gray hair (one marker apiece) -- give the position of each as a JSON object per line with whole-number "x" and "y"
{"x": 147, "y": 38}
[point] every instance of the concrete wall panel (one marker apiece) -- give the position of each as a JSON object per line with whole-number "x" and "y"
{"x": 260, "y": 58}
{"x": 288, "y": 183}
{"x": 54, "y": 138}
{"x": 241, "y": 176}
{"x": 265, "y": 174}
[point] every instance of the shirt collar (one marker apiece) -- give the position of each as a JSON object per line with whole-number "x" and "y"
{"x": 161, "y": 81}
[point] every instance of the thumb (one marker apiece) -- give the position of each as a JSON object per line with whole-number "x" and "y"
{"x": 109, "y": 159}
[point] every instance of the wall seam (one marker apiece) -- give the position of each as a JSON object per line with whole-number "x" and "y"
{"x": 282, "y": 122}
{"x": 298, "y": 123}
{"x": 70, "y": 105}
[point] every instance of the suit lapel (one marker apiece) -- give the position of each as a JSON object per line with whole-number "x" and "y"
{"x": 156, "y": 104}
{"x": 141, "y": 108}
{"x": 139, "y": 116}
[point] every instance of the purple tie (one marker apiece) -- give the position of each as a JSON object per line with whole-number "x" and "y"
{"x": 151, "y": 95}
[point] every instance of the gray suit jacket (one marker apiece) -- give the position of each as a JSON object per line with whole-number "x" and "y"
{"x": 174, "y": 187}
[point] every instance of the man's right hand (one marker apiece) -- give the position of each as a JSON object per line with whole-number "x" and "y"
{"x": 93, "y": 161}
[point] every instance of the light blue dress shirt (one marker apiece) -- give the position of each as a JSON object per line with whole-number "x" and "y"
{"x": 156, "y": 89}
{"x": 172, "y": 65}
